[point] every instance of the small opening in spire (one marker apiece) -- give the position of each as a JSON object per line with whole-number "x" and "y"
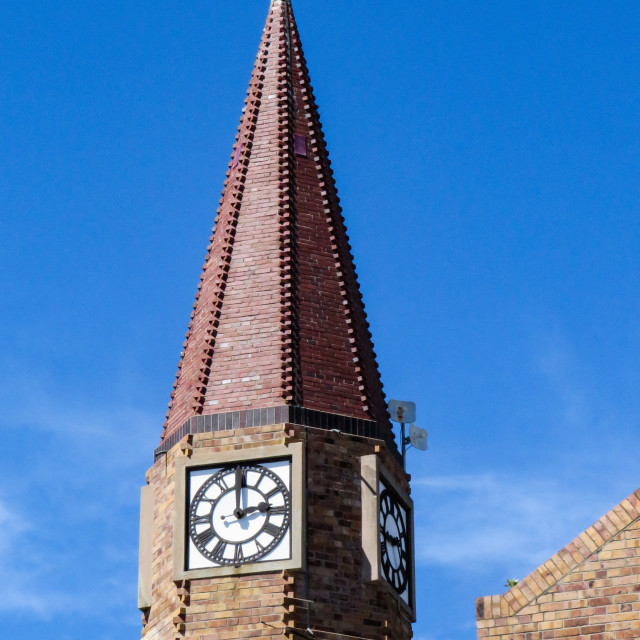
{"x": 300, "y": 145}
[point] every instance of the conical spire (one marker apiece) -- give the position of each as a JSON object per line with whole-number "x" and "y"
{"x": 278, "y": 318}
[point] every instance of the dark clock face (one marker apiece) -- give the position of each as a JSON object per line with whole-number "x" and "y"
{"x": 394, "y": 542}
{"x": 239, "y": 514}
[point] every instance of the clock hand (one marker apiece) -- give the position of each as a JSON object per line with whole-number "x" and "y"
{"x": 392, "y": 539}
{"x": 239, "y": 482}
{"x": 263, "y": 507}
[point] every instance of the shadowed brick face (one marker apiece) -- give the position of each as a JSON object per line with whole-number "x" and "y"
{"x": 278, "y": 318}
{"x": 590, "y": 589}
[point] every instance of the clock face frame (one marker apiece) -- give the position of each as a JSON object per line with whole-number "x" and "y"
{"x": 395, "y": 541}
{"x": 387, "y": 532}
{"x": 267, "y": 536}
{"x": 239, "y": 514}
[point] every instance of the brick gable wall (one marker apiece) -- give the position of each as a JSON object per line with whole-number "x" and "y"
{"x": 590, "y": 589}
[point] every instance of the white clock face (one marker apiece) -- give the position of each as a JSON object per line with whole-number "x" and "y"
{"x": 239, "y": 514}
{"x": 395, "y": 547}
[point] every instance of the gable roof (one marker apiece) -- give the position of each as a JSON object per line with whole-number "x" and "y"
{"x": 563, "y": 563}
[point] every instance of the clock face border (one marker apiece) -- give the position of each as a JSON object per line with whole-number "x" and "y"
{"x": 204, "y": 458}
{"x": 393, "y": 508}
{"x": 215, "y": 539}
{"x": 373, "y": 472}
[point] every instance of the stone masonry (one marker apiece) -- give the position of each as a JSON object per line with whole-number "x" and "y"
{"x": 330, "y": 596}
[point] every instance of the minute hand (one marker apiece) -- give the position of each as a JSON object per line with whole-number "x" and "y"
{"x": 239, "y": 482}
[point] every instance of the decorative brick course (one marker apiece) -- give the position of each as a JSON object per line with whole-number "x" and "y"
{"x": 260, "y": 417}
{"x": 589, "y": 589}
{"x": 278, "y": 317}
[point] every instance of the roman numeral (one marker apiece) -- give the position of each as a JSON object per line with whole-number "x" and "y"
{"x": 202, "y": 519}
{"x": 238, "y": 556}
{"x": 271, "y": 529}
{"x": 205, "y": 537}
{"x": 219, "y": 550}
{"x": 277, "y": 511}
{"x": 274, "y": 492}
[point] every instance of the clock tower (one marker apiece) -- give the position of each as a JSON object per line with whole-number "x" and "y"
{"x": 277, "y": 504}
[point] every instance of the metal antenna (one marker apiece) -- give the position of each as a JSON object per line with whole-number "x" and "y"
{"x": 403, "y": 412}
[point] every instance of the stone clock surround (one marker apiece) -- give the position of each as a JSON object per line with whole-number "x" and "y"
{"x": 208, "y": 457}
{"x": 372, "y": 471}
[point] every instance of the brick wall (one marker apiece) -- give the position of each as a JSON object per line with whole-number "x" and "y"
{"x": 341, "y": 602}
{"x": 590, "y": 589}
{"x": 329, "y": 596}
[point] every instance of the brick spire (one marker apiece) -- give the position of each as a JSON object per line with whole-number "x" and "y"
{"x": 278, "y": 318}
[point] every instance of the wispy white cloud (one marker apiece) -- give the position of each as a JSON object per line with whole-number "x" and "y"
{"x": 580, "y": 398}
{"x": 506, "y": 522}
{"x": 570, "y": 399}
{"x": 68, "y": 519}
{"x": 11, "y": 526}
{"x": 23, "y": 568}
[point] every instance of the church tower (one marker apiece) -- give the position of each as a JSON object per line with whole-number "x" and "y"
{"x": 277, "y": 504}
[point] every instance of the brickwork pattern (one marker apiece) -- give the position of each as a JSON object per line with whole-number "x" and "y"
{"x": 278, "y": 317}
{"x": 335, "y": 342}
{"x": 330, "y": 596}
{"x": 590, "y": 589}
{"x": 225, "y": 608}
{"x": 279, "y": 329}
{"x": 340, "y": 602}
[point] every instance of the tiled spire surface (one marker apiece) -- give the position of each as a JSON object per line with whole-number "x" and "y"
{"x": 278, "y": 318}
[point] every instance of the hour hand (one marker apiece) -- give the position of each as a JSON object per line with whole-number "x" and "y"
{"x": 392, "y": 539}
{"x": 263, "y": 507}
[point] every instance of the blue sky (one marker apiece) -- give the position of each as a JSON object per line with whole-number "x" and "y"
{"x": 487, "y": 158}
